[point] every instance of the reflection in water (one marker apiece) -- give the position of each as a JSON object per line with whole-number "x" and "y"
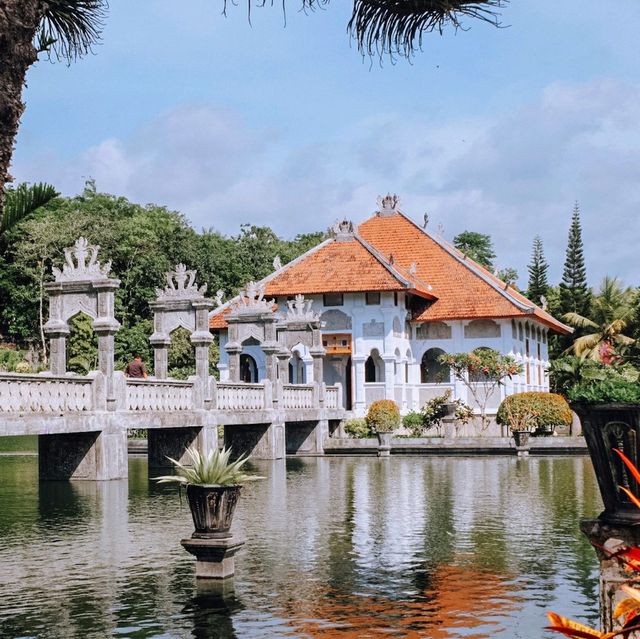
{"x": 442, "y": 548}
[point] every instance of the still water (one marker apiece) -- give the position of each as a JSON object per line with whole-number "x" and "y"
{"x": 441, "y": 548}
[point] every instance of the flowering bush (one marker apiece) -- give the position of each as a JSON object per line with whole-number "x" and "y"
{"x": 358, "y": 428}
{"x": 383, "y": 415}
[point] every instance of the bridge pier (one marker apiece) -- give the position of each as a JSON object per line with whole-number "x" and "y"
{"x": 96, "y": 455}
{"x": 172, "y": 442}
{"x": 261, "y": 441}
{"x": 306, "y": 438}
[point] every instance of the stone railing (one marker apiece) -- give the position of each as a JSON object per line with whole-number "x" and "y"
{"x": 241, "y": 396}
{"x": 299, "y": 396}
{"x": 159, "y": 395}
{"x": 333, "y": 397}
{"x": 21, "y": 393}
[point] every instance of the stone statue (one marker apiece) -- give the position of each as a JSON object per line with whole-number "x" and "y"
{"x": 76, "y": 267}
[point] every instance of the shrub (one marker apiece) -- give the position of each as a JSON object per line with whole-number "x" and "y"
{"x": 605, "y": 391}
{"x": 413, "y": 422}
{"x": 542, "y": 411}
{"x": 435, "y": 409}
{"x": 357, "y": 428}
{"x": 9, "y": 359}
{"x": 383, "y": 415}
{"x": 23, "y": 367}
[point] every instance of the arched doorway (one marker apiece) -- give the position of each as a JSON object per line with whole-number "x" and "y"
{"x": 297, "y": 372}
{"x": 374, "y": 368}
{"x": 432, "y": 371}
{"x": 248, "y": 369}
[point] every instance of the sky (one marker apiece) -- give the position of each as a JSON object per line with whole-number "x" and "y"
{"x": 498, "y": 131}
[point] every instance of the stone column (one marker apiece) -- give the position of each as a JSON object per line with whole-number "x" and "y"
{"x": 58, "y": 349}
{"x": 317, "y": 355}
{"x": 359, "y": 403}
{"x": 283, "y": 357}
{"x": 173, "y": 442}
{"x": 389, "y": 376}
{"x": 201, "y": 338}
{"x": 607, "y": 539}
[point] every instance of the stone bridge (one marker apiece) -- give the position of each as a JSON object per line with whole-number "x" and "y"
{"x": 82, "y": 421}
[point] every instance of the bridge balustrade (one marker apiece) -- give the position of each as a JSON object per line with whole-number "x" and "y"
{"x": 159, "y": 395}
{"x": 241, "y": 396}
{"x": 20, "y": 393}
{"x": 299, "y": 396}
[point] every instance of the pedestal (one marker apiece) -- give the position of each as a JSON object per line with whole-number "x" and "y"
{"x": 215, "y": 558}
{"x": 384, "y": 443}
{"x": 608, "y": 539}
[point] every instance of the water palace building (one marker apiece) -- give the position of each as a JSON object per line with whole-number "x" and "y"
{"x": 392, "y": 297}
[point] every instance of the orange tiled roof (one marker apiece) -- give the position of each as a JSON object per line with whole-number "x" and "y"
{"x": 464, "y": 289}
{"x": 392, "y": 253}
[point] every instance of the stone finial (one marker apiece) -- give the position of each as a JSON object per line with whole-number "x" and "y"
{"x": 252, "y": 300}
{"x": 77, "y": 268}
{"x": 343, "y": 231}
{"x": 299, "y": 309}
{"x": 388, "y": 205}
{"x": 544, "y": 303}
{"x": 181, "y": 284}
{"x": 277, "y": 263}
{"x": 413, "y": 269}
{"x": 219, "y": 298}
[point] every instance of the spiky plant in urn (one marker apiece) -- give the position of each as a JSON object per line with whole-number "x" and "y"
{"x": 610, "y": 414}
{"x": 213, "y": 484}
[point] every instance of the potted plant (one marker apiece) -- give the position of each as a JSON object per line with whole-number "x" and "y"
{"x": 383, "y": 417}
{"x": 521, "y": 419}
{"x": 213, "y": 485}
{"x": 610, "y": 414}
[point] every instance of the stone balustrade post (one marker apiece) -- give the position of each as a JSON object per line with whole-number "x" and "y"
{"x": 213, "y": 393}
{"x": 268, "y": 394}
{"x": 340, "y": 400}
{"x": 322, "y": 395}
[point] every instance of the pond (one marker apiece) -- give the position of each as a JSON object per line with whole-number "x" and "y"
{"x": 437, "y": 547}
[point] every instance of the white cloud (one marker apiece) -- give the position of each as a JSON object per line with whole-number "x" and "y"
{"x": 512, "y": 175}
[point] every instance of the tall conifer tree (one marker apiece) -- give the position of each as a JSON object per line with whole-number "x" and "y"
{"x": 574, "y": 292}
{"x": 538, "y": 283}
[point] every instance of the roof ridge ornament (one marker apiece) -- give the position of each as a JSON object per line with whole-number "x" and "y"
{"x": 388, "y": 204}
{"x": 343, "y": 231}
{"x": 76, "y": 267}
{"x": 181, "y": 285}
{"x": 252, "y": 299}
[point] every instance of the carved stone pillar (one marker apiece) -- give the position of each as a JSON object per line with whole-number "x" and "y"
{"x": 358, "y": 362}
{"x": 58, "y": 350}
{"x": 283, "y": 357}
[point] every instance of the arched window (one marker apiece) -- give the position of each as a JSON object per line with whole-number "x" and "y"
{"x": 432, "y": 371}
{"x": 297, "y": 373}
{"x": 374, "y": 368}
{"x": 248, "y": 369}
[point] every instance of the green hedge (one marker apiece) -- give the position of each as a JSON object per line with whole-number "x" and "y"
{"x": 549, "y": 409}
{"x": 606, "y": 391}
{"x": 383, "y": 415}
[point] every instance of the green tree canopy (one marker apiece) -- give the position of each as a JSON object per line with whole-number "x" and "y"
{"x": 538, "y": 267}
{"x": 574, "y": 291}
{"x": 478, "y": 246}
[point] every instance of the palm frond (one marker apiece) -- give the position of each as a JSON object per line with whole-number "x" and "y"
{"x": 398, "y": 26}
{"x": 579, "y": 321}
{"x": 70, "y": 28}
{"x": 24, "y": 200}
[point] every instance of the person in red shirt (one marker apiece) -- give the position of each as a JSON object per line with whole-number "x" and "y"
{"x": 136, "y": 368}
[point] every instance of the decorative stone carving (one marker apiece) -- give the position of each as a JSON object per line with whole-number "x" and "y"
{"x": 219, "y": 298}
{"x": 373, "y": 329}
{"x": 388, "y": 205}
{"x": 277, "y": 263}
{"x": 252, "y": 300}
{"x": 335, "y": 320}
{"x": 181, "y": 284}
{"x": 433, "y": 330}
{"x": 299, "y": 310}
{"x": 413, "y": 269}
{"x": 76, "y": 267}
{"x": 343, "y": 231}
{"x": 544, "y": 304}
{"x": 482, "y": 328}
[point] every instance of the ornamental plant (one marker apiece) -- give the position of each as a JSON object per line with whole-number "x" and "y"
{"x": 212, "y": 469}
{"x": 482, "y": 372}
{"x": 358, "y": 428}
{"x": 383, "y": 415}
{"x": 627, "y": 612}
{"x": 540, "y": 411}
{"x": 606, "y": 391}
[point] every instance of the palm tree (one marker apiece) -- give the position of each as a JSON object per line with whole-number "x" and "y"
{"x": 610, "y": 313}
{"x": 22, "y": 201}
{"x": 62, "y": 29}
{"x": 67, "y": 29}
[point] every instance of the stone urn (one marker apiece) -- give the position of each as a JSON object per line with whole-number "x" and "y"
{"x": 521, "y": 438}
{"x": 384, "y": 442}
{"x": 212, "y": 509}
{"x": 605, "y": 427}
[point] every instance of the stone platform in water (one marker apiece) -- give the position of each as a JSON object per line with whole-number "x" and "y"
{"x": 215, "y": 558}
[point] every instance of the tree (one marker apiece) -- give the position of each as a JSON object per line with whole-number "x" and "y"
{"x": 574, "y": 292}
{"x": 22, "y": 201}
{"x": 477, "y": 246}
{"x": 482, "y": 372}
{"x": 610, "y": 313}
{"x": 67, "y": 29}
{"x": 538, "y": 283}
{"x": 508, "y": 275}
